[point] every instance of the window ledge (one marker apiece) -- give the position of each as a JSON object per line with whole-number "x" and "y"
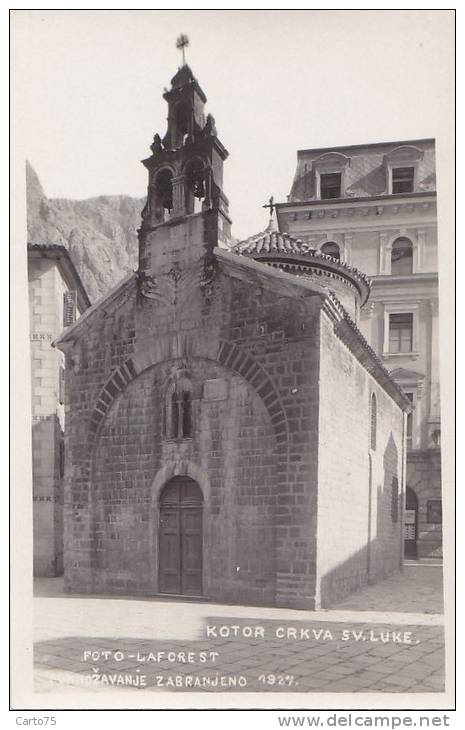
{"x": 406, "y": 355}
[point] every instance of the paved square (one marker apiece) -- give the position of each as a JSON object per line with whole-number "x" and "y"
{"x": 366, "y": 644}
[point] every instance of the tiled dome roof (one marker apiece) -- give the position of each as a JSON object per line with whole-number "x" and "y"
{"x": 297, "y": 256}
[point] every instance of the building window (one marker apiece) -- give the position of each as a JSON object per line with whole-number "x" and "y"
{"x": 61, "y": 385}
{"x": 61, "y": 458}
{"x": 395, "y": 499}
{"x": 402, "y": 257}
{"x": 182, "y": 119}
{"x": 434, "y": 511}
{"x": 186, "y": 407}
{"x": 331, "y": 249}
{"x": 402, "y": 179}
{"x": 69, "y": 308}
{"x": 178, "y": 412}
{"x": 401, "y": 332}
{"x": 330, "y": 185}
{"x": 410, "y": 423}
{"x": 373, "y": 422}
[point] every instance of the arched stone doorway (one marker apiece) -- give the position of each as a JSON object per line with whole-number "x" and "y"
{"x": 410, "y": 524}
{"x": 180, "y": 537}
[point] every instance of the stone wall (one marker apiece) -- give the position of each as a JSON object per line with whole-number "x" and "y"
{"x": 264, "y": 346}
{"x": 358, "y": 539}
{"x": 45, "y": 323}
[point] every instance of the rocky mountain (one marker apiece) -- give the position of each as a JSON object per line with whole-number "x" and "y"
{"x": 99, "y": 233}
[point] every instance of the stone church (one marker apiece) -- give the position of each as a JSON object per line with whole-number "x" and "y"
{"x": 230, "y": 433}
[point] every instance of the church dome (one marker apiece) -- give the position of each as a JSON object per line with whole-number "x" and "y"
{"x": 295, "y": 256}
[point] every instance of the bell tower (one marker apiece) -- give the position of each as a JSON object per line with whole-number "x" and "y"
{"x": 186, "y": 213}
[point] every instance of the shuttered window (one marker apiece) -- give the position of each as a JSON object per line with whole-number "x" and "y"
{"x": 69, "y": 308}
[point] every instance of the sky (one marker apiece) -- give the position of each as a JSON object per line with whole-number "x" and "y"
{"x": 87, "y": 91}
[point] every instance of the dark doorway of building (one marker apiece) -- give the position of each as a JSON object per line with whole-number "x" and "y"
{"x": 180, "y": 537}
{"x": 410, "y": 524}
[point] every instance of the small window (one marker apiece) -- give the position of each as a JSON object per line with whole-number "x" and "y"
{"x": 61, "y": 385}
{"x": 330, "y": 185}
{"x": 402, "y": 257}
{"x": 69, "y": 308}
{"x": 178, "y": 413}
{"x": 395, "y": 499}
{"x": 402, "y": 179}
{"x": 434, "y": 511}
{"x": 186, "y": 415}
{"x": 410, "y": 423}
{"x": 174, "y": 430}
{"x": 373, "y": 423}
{"x": 331, "y": 249}
{"x": 401, "y": 332}
{"x": 182, "y": 119}
{"x": 61, "y": 458}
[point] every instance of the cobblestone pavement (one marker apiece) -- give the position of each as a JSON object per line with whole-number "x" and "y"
{"x": 386, "y": 638}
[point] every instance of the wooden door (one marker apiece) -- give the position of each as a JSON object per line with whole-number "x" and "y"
{"x": 180, "y": 538}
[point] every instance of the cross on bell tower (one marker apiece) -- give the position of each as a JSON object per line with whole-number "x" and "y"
{"x": 181, "y": 43}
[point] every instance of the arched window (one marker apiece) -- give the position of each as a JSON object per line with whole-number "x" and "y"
{"x": 178, "y": 410}
{"x": 331, "y": 249}
{"x": 164, "y": 193}
{"x": 402, "y": 256}
{"x": 373, "y": 422}
{"x": 174, "y": 420}
{"x": 195, "y": 186}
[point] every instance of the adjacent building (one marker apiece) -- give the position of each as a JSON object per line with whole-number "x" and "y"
{"x": 56, "y": 298}
{"x": 374, "y": 207}
{"x": 230, "y": 433}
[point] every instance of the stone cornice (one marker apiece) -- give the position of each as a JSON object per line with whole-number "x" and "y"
{"x": 369, "y": 200}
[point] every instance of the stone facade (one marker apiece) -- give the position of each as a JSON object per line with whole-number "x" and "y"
{"x": 51, "y": 276}
{"x": 207, "y": 396}
{"x": 386, "y": 195}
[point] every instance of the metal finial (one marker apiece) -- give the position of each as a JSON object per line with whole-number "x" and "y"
{"x": 181, "y": 43}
